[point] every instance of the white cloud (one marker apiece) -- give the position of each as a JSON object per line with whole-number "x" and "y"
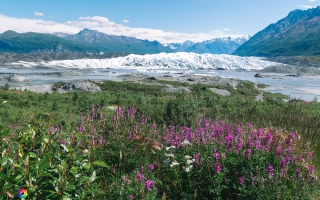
{"x": 225, "y": 29}
{"x": 104, "y": 25}
{"x": 126, "y": 21}
{"x": 312, "y": 0}
{"x": 306, "y": 6}
{"x": 38, "y": 14}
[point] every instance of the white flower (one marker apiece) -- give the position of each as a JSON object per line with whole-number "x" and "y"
{"x": 188, "y": 168}
{"x": 187, "y": 157}
{"x": 174, "y": 163}
{"x": 169, "y": 155}
{"x": 4, "y": 102}
{"x": 189, "y": 162}
{"x": 168, "y": 148}
{"x": 185, "y": 142}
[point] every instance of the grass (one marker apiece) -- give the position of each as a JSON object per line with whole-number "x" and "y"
{"x": 57, "y": 154}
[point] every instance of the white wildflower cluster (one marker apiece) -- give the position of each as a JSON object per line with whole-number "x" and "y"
{"x": 169, "y": 154}
{"x": 174, "y": 163}
{"x": 189, "y": 162}
{"x": 172, "y": 147}
{"x": 185, "y": 142}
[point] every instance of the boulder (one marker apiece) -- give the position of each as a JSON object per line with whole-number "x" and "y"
{"x": 17, "y": 79}
{"x": 82, "y": 85}
{"x": 220, "y": 91}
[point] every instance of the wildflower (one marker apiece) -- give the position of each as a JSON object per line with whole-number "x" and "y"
{"x": 187, "y": 157}
{"x": 188, "y": 168}
{"x": 287, "y": 150}
{"x": 217, "y": 167}
{"x": 169, "y": 155}
{"x": 62, "y": 141}
{"x": 142, "y": 169}
{"x": 174, "y": 163}
{"x": 311, "y": 169}
{"x": 278, "y": 150}
{"x": 185, "y": 142}
{"x": 249, "y": 153}
{"x": 298, "y": 171}
{"x": 249, "y": 125}
{"x": 196, "y": 157}
{"x": 283, "y": 163}
{"x": 190, "y": 161}
{"x": 4, "y": 102}
{"x": 102, "y": 141}
{"x": 140, "y": 177}
{"x": 151, "y": 167}
{"x": 149, "y": 184}
{"x": 270, "y": 170}
{"x": 241, "y": 180}
{"x": 131, "y": 197}
{"x": 216, "y": 154}
{"x": 239, "y": 144}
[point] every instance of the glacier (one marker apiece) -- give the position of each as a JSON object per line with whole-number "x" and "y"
{"x": 180, "y": 60}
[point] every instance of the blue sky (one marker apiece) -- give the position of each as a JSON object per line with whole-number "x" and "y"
{"x": 162, "y": 20}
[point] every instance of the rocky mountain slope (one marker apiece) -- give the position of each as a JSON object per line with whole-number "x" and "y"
{"x": 112, "y": 43}
{"x": 224, "y": 45}
{"x": 296, "y": 34}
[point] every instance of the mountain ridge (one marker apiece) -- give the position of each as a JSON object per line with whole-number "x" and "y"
{"x": 294, "y": 35}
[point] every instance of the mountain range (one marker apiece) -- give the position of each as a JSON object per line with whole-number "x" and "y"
{"x": 295, "y": 35}
{"x": 92, "y": 41}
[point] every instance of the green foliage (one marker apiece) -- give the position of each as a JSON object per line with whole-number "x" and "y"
{"x": 101, "y": 154}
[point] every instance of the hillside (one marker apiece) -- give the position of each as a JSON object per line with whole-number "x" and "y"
{"x": 30, "y": 42}
{"x": 296, "y": 34}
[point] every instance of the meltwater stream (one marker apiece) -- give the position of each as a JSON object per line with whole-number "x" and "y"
{"x": 305, "y": 87}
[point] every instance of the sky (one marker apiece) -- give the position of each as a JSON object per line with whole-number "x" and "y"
{"x": 167, "y": 21}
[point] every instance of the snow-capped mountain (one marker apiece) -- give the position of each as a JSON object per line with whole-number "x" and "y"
{"x": 224, "y": 45}
{"x": 181, "y": 60}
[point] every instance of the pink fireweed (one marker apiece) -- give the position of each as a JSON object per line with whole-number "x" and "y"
{"x": 151, "y": 167}
{"x": 270, "y": 170}
{"x": 217, "y": 167}
{"x": 241, "y": 180}
{"x": 216, "y": 155}
{"x": 149, "y": 184}
{"x": 140, "y": 177}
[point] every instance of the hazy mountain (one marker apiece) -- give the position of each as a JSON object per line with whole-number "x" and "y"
{"x": 14, "y": 42}
{"x": 224, "y": 45}
{"x": 112, "y": 43}
{"x": 296, "y": 34}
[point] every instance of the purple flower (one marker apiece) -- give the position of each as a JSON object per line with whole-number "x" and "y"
{"x": 283, "y": 163}
{"x": 270, "y": 170}
{"x": 151, "y": 167}
{"x": 149, "y": 184}
{"x": 140, "y": 177}
{"x": 239, "y": 144}
{"x": 249, "y": 125}
{"x": 311, "y": 169}
{"x": 249, "y": 151}
{"x": 278, "y": 150}
{"x": 217, "y": 167}
{"x": 216, "y": 155}
{"x": 298, "y": 171}
{"x": 102, "y": 141}
{"x": 196, "y": 157}
{"x": 62, "y": 141}
{"x": 131, "y": 197}
{"x": 241, "y": 180}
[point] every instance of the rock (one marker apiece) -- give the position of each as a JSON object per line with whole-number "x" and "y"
{"x": 220, "y": 91}
{"x": 258, "y": 75}
{"x": 17, "y": 79}
{"x": 294, "y": 75}
{"x": 170, "y": 88}
{"x": 151, "y": 79}
{"x": 82, "y": 85}
{"x": 167, "y": 76}
{"x": 191, "y": 79}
